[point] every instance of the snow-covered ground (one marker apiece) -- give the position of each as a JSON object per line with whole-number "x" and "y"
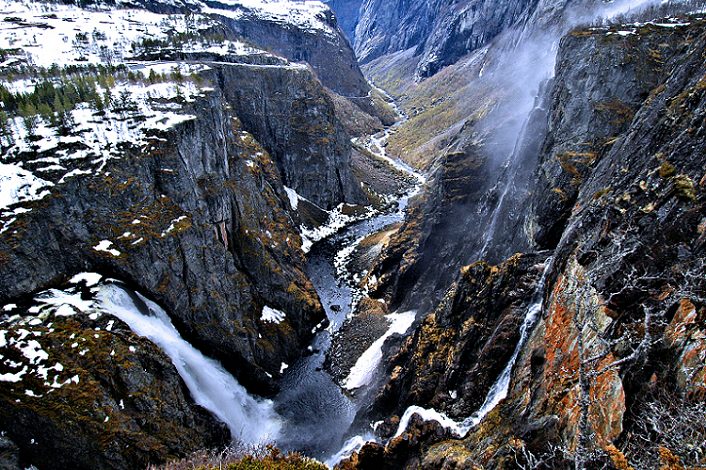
{"x": 61, "y": 44}
{"x": 95, "y": 138}
{"x": 307, "y": 14}
{"x": 67, "y": 35}
{"x": 364, "y": 369}
{"x": 40, "y": 40}
{"x": 25, "y": 334}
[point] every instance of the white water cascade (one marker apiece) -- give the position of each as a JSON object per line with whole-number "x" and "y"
{"x": 250, "y": 421}
{"x": 500, "y": 388}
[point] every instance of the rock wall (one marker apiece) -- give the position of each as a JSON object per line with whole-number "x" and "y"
{"x": 440, "y": 31}
{"x": 329, "y": 53}
{"x": 209, "y": 238}
{"x": 348, "y": 14}
{"x": 624, "y": 303}
{"x": 292, "y": 116}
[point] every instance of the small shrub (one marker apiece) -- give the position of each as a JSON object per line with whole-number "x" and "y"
{"x": 244, "y": 458}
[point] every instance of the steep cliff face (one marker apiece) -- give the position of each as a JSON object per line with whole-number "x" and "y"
{"x": 202, "y": 226}
{"x": 632, "y": 245}
{"x": 452, "y": 359}
{"x": 284, "y": 108}
{"x": 615, "y": 82}
{"x": 441, "y": 31}
{"x": 319, "y": 42}
{"x": 624, "y": 304}
{"x": 348, "y": 14}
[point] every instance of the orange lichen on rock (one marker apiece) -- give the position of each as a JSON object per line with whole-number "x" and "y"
{"x": 567, "y": 311}
{"x": 685, "y": 336}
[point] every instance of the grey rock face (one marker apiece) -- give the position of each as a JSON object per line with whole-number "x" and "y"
{"x": 328, "y": 52}
{"x": 291, "y": 115}
{"x": 348, "y": 14}
{"x": 441, "y": 30}
{"x": 9, "y": 454}
{"x": 231, "y": 248}
{"x": 592, "y": 106}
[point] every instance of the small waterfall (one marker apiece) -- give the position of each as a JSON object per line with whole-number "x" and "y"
{"x": 511, "y": 171}
{"x": 500, "y": 388}
{"x": 250, "y": 421}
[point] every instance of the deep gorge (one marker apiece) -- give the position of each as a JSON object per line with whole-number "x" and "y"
{"x": 379, "y": 234}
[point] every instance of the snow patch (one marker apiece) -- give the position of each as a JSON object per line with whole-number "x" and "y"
{"x": 90, "y": 279}
{"x": 271, "y": 315}
{"x": 20, "y": 185}
{"x": 105, "y": 246}
{"x": 293, "y": 197}
{"x": 428, "y": 414}
{"x": 364, "y": 369}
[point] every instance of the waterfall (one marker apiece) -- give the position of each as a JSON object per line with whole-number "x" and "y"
{"x": 500, "y": 388}
{"x": 250, "y": 421}
{"x": 512, "y": 172}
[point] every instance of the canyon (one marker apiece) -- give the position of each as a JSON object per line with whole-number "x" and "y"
{"x": 402, "y": 234}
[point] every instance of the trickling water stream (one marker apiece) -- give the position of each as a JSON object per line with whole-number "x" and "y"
{"x": 500, "y": 388}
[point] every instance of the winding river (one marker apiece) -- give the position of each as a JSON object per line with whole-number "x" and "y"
{"x": 317, "y": 413}
{"x": 312, "y": 414}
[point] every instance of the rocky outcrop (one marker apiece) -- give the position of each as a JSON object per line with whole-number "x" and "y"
{"x": 322, "y": 46}
{"x": 624, "y": 302}
{"x": 292, "y": 116}
{"x": 455, "y": 355}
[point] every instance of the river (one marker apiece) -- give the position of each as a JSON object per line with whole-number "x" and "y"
{"x": 318, "y": 414}
{"x": 312, "y": 414}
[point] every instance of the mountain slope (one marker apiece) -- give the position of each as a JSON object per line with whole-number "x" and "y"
{"x": 619, "y": 341}
{"x": 177, "y": 149}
